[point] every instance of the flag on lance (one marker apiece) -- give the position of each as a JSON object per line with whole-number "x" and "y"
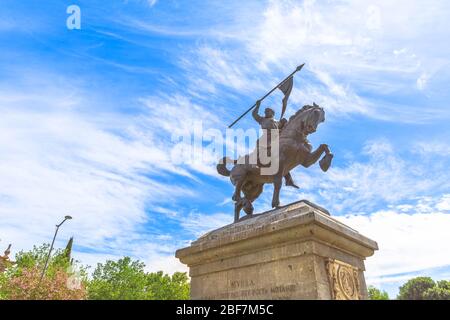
{"x": 286, "y": 88}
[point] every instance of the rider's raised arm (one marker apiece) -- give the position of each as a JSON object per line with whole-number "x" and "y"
{"x": 255, "y": 114}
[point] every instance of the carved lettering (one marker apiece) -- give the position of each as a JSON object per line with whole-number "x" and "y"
{"x": 242, "y": 283}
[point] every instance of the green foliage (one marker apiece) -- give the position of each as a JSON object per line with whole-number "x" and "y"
{"x": 439, "y": 292}
{"x": 377, "y": 294}
{"x": 37, "y": 256}
{"x": 415, "y": 288}
{"x": 119, "y": 280}
{"x": 165, "y": 287}
{"x": 22, "y": 280}
{"x": 126, "y": 280}
{"x": 3, "y": 282}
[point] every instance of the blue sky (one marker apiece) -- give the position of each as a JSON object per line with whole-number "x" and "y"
{"x": 87, "y": 118}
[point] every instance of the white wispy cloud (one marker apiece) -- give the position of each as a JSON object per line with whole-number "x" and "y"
{"x": 200, "y": 223}
{"x": 56, "y": 159}
{"x": 432, "y": 148}
{"x": 409, "y": 240}
{"x": 358, "y": 54}
{"x": 177, "y": 122}
{"x": 386, "y": 176}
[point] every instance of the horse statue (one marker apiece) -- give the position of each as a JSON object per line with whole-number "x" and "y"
{"x": 294, "y": 150}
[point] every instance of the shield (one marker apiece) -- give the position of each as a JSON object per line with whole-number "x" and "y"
{"x": 325, "y": 163}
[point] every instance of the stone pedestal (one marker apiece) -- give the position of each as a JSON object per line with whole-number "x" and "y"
{"x": 295, "y": 252}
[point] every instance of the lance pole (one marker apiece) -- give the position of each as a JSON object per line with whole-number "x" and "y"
{"x": 275, "y": 88}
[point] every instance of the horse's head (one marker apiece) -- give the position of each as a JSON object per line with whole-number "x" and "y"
{"x": 306, "y": 120}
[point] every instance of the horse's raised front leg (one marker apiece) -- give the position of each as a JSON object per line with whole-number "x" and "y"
{"x": 314, "y": 156}
{"x": 277, "y": 182}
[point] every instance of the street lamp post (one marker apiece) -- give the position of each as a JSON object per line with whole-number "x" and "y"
{"x": 51, "y": 248}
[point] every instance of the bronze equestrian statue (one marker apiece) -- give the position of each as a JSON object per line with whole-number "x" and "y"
{"x": 294, "y": 149}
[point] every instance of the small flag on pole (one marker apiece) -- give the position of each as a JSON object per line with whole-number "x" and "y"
{"x": 286, "y": 88}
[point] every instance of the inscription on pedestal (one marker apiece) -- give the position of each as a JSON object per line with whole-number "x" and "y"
{"x": 249, "y": 289}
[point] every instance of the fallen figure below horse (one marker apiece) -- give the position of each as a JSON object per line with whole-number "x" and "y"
{"x": 294, "y": 149}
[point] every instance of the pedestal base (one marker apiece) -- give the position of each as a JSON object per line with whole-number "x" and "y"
{"x": 295, "y": 252}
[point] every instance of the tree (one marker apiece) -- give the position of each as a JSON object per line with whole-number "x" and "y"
{"x": 60, "y": 282}
{"x": 55, "y": 287}
{"x": 119, "y": 280}
{"x": 126, "y": 280}
{"x": 415, "y": 288}
{"x": 377, "y": 294}
{"x": 439, "y": 292}
{"x": 165, "y": 287}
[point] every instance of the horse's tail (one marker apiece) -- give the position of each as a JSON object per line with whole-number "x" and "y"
{"x": 222, "y": 166}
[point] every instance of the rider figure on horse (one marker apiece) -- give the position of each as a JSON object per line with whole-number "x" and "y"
{"x": 269, "y": 123}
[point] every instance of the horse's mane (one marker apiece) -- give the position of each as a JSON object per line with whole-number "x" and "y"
{"x": 307, "y": 115}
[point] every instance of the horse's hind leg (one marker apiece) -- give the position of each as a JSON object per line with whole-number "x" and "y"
{"x": 278, "y": 179}
{"x": 237, "y": 210}
{"x": 237, "y": 191}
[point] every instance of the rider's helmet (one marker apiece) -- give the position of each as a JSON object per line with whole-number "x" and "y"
{"x": 269, "y": 113}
